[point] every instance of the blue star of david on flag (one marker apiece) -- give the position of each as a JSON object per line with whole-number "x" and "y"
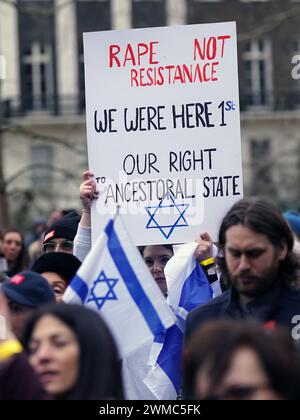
{"x": 179, "y": 218}
{"x": 102, "y": 290}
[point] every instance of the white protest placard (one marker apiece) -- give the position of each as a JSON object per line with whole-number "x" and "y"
{"x": 163, "y": 129}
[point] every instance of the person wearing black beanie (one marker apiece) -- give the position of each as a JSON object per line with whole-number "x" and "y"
{"x": 58, "y": 268}
{"x": 60, "y": 235}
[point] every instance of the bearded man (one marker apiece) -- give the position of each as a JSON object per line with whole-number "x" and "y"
{"x": 258, "y": 266}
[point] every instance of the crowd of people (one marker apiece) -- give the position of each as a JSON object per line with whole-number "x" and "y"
{"x": 242, "y": 344}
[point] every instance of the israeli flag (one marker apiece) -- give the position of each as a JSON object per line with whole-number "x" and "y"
{"x": 188, "y": 288}
{"x": 115, "y": 281}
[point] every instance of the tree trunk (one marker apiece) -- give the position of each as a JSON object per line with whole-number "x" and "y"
{"x": 4, "y": 209}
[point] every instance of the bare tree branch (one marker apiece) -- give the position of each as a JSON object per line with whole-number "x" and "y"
{"x": 43, "y": 137}
{"x": 274, "y": 21}
{"x": 30, "y": 168}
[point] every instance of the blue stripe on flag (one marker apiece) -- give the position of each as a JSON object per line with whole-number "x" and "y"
{"x": 160, "y": 338}
{"x": 80, "y": 287}
{"x": 196, "y": 290}
{"x": 133, "y": 285}
{"x": 169, "y": 358}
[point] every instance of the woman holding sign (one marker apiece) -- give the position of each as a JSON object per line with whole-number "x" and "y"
{"x": 155, "y": 256}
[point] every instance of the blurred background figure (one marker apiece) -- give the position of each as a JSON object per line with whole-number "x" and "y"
{"x": 73, "y": 353}
{"x": 14, "y": 251}
{"x": 233, "y": 360}
{"x": 54, "y": 216}
{"x": 58, "y": 268}
{"x": 39, "y": 226}
{"x": 34, "y": 242}
{"x": 1, "y": 240}
{"x": 57, "y": 215}
{"x": 3, "y": 262}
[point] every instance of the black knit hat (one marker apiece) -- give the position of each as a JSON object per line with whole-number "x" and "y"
{"x": 65, "y": 265}
{"x": 66, "y": 228}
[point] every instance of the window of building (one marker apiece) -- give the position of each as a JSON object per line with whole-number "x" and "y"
{"x": 260, "y": 149}
{"x": 36, "y": 31}
{"x": 257, "y": 59}
{"x": 42, "y": 160}
{"x": 148, "y": 13}
{"x": 38, "y": 76}
{"x": 261, "y": 167}
{"x": 91, "y": 16}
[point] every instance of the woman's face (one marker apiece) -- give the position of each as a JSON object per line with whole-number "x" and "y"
{"x": 12, "y": 246}
{"x": 156, "y": 258}
{"x": 245, "y": 379}
{"x": 54, "y": 354}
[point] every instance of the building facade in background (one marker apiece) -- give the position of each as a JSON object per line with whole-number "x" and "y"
{"x": 43, "y": 137}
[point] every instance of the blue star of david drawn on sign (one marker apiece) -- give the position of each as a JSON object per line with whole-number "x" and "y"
{"x": 167, "y": 230}
{"x": 102, "y": 290}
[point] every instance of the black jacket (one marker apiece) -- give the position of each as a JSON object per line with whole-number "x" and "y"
{"x": 279, "y": 305}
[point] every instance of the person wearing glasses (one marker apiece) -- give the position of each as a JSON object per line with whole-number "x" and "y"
{"x": 235, "y": 360}
{"x": 60, "y": 235}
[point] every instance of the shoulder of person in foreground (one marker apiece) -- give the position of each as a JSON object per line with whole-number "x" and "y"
{"x": 291, "y": 293}
{"x": 18, "y": 381}
{"x": 210, "y": 310}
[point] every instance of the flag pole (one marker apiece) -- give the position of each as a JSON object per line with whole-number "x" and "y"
{"x": 117, "y": 213}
